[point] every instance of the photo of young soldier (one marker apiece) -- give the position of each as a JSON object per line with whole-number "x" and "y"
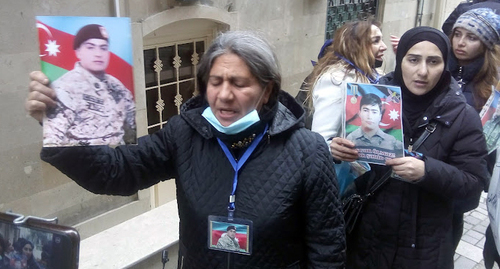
{"x": 92, "y": 81}
{"x": 373, "y": 121}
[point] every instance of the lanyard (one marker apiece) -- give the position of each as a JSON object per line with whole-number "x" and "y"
{"x": 373, "y": 81}
{"x": 237, "y": 166}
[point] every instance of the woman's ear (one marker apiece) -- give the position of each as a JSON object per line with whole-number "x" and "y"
{"x": 267, "y": 94}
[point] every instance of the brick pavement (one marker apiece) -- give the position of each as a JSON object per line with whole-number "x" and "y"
{"x": 469, "y": 254}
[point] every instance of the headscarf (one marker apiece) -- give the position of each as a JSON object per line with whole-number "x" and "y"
{"x": 415, "y": 105}
{"x": 20, "y": 243}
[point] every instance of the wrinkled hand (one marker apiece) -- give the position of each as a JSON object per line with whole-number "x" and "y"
{"x": 409, "y": 168}
{"x": 394, "y": 43}
{"x": 343, "y": 150}
{"x": 40, "y": 96}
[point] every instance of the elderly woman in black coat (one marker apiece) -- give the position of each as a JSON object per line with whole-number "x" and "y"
{"x": 408, "y": 222}
{"x": 286, "y": 188}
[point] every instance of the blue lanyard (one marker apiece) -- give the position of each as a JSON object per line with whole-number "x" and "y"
{"x": 373, "y": 81}
{"x": 237, "y": 166}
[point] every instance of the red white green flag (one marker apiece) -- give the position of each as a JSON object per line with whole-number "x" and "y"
{"x": 56, "y": 35}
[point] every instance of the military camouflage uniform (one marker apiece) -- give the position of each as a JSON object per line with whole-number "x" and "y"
{"x": 90, "y": 111}
{"x": 226, "y": 242}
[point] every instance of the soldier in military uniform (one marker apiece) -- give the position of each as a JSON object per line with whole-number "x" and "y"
{"x": 93, "y": 108}
{"x": 228, "y": 240}
{"x": 369, "y": 133}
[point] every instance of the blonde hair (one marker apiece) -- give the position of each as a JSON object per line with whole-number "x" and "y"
{"x": 353, "y": 42}
{"x": 487, "y": 76}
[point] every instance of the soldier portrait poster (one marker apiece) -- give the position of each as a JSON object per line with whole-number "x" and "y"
{"x": 373, "y": 121}
{"x": 490, "y": 118}
{"x": 88, "y": 61}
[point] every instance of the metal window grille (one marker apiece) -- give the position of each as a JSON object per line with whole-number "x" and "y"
{"x": 170, "y": 77}
{"x": 339, "y": 12}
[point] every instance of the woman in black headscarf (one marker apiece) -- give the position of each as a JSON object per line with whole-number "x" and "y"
{"x": 408, "y": 222}
{"x": 23, "y": 256}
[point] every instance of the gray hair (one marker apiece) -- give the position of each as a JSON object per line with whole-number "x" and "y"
{"x": 255, "y": 51}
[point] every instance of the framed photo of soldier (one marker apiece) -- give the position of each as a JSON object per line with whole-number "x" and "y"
{"x": 88, "y": 61}
{"x": 233, "y": 236}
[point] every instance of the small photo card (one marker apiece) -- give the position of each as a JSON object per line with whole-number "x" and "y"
{"x": 233, "y": 236}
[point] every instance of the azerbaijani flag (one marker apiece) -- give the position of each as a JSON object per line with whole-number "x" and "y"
{"x": 56, "y": 34}
{"x": 218, "y": 228}
{"x": 391, "y": 122}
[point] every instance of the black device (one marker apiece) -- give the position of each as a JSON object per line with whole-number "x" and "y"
{"x": 54, "y": 245}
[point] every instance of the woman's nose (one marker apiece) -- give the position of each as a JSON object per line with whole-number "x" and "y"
{"x": 422, "y": 69}
{"x": 225, "y": 91}
{"x": 383, "y": 47}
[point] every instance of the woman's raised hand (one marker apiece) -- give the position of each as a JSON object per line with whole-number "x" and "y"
{"x": 40, "y": 96}
{"x": 394, "y": 43}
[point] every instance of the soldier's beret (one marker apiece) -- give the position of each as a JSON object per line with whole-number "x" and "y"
{"x": 231, "y": 227}
{"x": 89, "y": 31}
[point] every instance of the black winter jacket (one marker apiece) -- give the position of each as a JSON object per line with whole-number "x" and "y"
{"x": 409, "y": 225}
{"x": 287, "y": 187}
{"x": 465, "y": 76}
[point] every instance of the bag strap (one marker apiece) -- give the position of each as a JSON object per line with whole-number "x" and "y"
{"x": 431, "y": 127}
{"x": 379, "y": 183}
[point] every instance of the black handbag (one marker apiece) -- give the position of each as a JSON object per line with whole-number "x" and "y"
{"x": 353, "y": 204}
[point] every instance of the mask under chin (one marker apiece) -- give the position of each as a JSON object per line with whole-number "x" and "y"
{"x": 236, "y": 127}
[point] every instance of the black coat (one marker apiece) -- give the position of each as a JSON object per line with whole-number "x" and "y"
{"x": 465, "y": 77}
{"x": 287, "y": 188}
{"x": 409, "y": 225}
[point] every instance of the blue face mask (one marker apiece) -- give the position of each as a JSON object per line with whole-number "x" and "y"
{"x": 235, "y": 127}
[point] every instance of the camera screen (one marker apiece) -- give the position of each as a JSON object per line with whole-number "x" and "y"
{"x": 30, "y": 247}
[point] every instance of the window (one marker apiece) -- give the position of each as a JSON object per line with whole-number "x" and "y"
{"x": 339, "y": 12}
{"x": 170, "y": 79}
